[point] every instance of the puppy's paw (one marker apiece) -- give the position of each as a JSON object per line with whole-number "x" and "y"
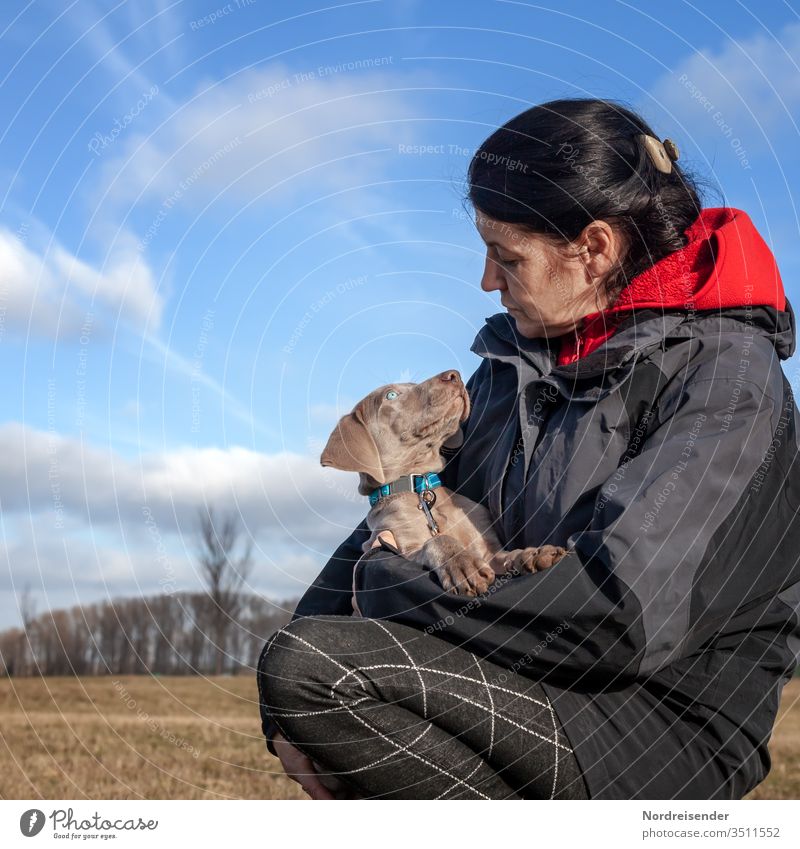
{"x": 378, "y": 538}
{"x": 465, "y": 574}
{"x": 502, "y": 562}
{"x": 536, "y": 559}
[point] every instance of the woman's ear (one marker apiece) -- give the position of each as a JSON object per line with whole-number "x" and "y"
{"x": 351, "y": 448}
{"x": 599, "y": 248}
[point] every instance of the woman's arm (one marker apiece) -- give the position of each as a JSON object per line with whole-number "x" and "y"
{"x": 332, "y": 589}
{"x": 681, "y": 539}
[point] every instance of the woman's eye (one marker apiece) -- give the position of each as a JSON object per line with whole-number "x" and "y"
{"x": 391, "y": 395}
{"x": 508, "y": 263}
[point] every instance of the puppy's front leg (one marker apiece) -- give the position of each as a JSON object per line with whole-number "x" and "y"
{"x": 458, "y": 569}
{"x": 527, "y": 559}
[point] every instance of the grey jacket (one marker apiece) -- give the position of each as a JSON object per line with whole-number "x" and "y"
{"x": 667, "y": 463}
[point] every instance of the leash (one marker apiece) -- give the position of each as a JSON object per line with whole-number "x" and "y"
{"x": 423, "y": 485}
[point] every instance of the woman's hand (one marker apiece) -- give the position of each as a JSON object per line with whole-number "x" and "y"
{"x": 300, "y": 768}
{"x": 386, "y": 537}
{"x": 307, "y": 773}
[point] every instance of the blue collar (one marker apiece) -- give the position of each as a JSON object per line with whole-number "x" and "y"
{"x": 407, "y": 483}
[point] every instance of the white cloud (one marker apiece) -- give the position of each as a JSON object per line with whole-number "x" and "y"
{"x": 60, "y": 573}
{"x": 82, "y": 524}
{"x": 110, "y": 50}
{"x": 743, "y": 90}
{"x": 284, "y": 498}
{"x": 268, "y": 130}
{"x": 51, "y": 292}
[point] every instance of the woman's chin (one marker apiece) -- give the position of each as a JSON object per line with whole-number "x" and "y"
{"x": 527, "y": 332}
{"x": 534, "y": 329}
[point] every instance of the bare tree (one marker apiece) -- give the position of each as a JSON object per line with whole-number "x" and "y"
{"x": 224, "y": 576}
{"x": 27, "y": 612}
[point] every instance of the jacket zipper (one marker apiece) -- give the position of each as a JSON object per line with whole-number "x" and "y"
{"x": 547, "y": 402}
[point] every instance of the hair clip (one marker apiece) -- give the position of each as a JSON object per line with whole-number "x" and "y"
{"x": 663, "y": 154}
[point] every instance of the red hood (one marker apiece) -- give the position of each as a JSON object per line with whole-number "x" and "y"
{"x": 726, "y": 263}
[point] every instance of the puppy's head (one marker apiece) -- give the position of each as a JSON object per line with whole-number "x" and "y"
{"x": 398, "y": 429}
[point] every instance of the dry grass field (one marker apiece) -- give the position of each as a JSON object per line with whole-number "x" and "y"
{"x": 191, "y": 738}
{"x": 141, "y": 737}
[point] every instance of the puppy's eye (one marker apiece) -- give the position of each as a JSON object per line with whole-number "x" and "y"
{"x": 391, "y": 395}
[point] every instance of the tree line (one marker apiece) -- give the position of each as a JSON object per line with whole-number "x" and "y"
{"x": 220, "y": 630}
{"x": 176, "y": 634}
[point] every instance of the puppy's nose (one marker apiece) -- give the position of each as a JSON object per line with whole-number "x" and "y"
{"x": 449, "y": 376}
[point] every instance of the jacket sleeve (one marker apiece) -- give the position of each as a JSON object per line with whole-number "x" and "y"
{"x": 619, "y": 604}
{"x": 332, "y": 589}
{"x": 330, "y": 593}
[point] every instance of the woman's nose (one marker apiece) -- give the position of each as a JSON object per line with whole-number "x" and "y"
{"x": 492, "y": 277}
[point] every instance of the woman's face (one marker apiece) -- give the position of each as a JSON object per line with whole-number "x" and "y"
{"x": 544, "y": 289}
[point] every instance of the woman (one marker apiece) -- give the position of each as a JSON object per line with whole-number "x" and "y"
{"x": 630, "y": 407}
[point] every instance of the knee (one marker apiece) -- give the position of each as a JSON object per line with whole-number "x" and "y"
{"x": 295, "y": 655}
{"x": 280, "y": 661}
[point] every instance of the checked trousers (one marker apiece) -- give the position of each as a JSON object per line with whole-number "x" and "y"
{"x": 397, "y": 713}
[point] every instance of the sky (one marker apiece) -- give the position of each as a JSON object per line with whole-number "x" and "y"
{"x": 222, "y": 224}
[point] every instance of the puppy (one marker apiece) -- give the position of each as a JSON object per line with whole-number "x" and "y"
{"x": 396, "y": 432}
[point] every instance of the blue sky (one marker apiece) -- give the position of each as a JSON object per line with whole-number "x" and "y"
{"x": 214, "y": 240}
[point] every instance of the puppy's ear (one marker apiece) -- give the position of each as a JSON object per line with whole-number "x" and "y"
{"x": 351, "y": 448}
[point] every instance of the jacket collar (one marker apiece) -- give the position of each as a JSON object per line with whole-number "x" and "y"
{"x": 639, "y": 333}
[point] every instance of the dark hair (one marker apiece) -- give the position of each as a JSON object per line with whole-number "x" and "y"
{"x": 560, "y": 165}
